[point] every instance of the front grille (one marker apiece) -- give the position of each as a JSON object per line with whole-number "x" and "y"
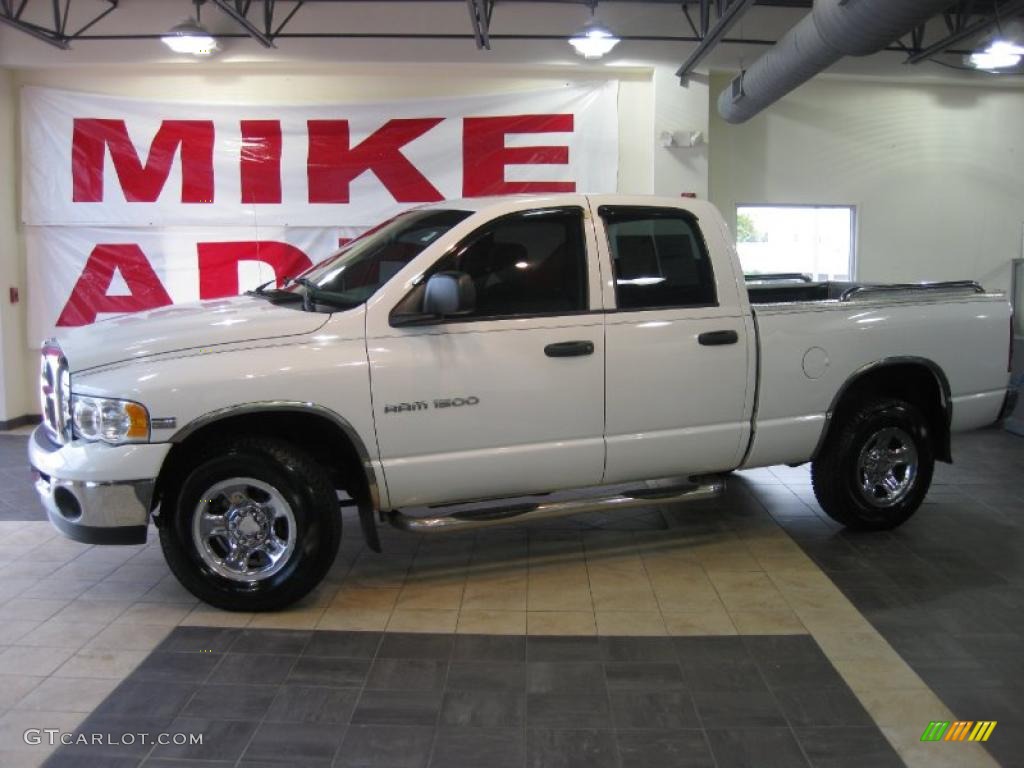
{"x": 55, "y": 392}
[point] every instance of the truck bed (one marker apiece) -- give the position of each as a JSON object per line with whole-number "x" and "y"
{"x": 788, "y": 289}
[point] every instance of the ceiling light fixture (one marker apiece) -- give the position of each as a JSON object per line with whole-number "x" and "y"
{"x": 593, "y": 41}
{"x": 190, "y": 37}
{"x": 1000, "y": 54}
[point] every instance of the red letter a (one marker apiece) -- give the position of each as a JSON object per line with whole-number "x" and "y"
{"x": 89, "y": 296}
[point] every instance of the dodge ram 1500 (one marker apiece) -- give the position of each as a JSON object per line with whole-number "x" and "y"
{"x": 500, "y": 349}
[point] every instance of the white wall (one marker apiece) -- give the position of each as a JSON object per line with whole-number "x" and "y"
{"x": 936, "y": 172}
{"x": 17, "y": 369}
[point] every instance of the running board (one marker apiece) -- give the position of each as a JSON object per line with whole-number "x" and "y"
{"x": 464, "y": 520}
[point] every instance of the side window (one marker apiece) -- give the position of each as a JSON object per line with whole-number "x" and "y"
{"x": 528, "y": 263}
{"x": 659, "y": 258}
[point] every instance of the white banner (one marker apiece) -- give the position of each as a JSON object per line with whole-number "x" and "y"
{"x": 168, "y": 179}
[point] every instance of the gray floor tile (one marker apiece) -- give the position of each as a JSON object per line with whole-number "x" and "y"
{"x": 242, "y": 669}
{"x": 483, "y": 709}
{"x": 230, "y": 702}
{"x": 283, "y": 642}
{"x": 571, "y": 749}
{"x": 177, "y": 667}
{"x": 563, "y": 676}
{"x": 407, "y": 674}
{"x": 299, "y": 742}
{"x": 756, "y": 748}
{"x": 738, "y": 709}
{"x": 312, "y": 704}
{"x": 664, "y": 749}
{"x": 317, "y": 670}
{"x": 385, "y": 746}
{"x": 222, "y": 739}
{"x": 847, "y": 748}
{"x": 822, "y": 707}
{"x": 664, "y": 710}
{"x": 491, "y": 747}
{"x": 486, "y": 676}
{"x": 401, "y": 645}
{"x": 489, "y": 648}
{"x": 643, "y": 676}
{"x": 397, "y": 708}
{"x": 568, "y": 710}
{"x": 564, "y": 649}
{"x": 355, "y": 645}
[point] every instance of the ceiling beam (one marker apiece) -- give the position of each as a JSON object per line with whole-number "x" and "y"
{"x": 1011, "y": 8}
{"x": 480, "y": 15}
{"x": 726, "y": 19}
{"x": 254, "y": 32}
{"x": 52, "y": 38}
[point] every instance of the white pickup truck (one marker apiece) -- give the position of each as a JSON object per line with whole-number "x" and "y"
{"x": 500, "y": 349}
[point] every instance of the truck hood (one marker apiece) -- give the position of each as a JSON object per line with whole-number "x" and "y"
{"x": 199, "y": 325}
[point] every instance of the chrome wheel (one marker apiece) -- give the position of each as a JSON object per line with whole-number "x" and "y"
{"x": 243, "y": 529}
{"x": 887, "y": 467}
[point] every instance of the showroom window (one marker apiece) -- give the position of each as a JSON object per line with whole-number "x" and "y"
{"x": 659, "y": 259}
{"x": 529, "y": 263}
{"x": 815, "y": 240}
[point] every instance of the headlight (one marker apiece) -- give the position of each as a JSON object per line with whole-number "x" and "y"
{"x": 112, "y": 421}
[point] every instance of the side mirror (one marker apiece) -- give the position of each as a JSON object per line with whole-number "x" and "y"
{"x": 449, "y": 293}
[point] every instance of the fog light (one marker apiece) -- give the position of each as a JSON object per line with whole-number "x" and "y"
{"x": 67, "y": 504}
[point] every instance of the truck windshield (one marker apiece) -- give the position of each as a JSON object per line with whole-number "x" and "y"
{"x": 354, "y": 273}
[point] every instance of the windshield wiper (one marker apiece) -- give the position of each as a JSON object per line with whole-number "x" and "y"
{"x": 315, "y": 293}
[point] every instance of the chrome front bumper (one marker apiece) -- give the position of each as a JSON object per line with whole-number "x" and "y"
{"x": 90, "y": 511}
{"x": 1009, "y": 403}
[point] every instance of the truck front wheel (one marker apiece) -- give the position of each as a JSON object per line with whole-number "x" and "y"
{"x": 876, "y": 466}
{"x": 254, "y": 526}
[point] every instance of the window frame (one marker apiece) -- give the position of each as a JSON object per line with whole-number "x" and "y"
{"x": 656, "y": 212}
{"x": 854, "y": 218}
{"x": 579, "y": 210}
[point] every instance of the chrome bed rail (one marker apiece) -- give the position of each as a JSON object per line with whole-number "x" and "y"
{"x": 953, "y": 286}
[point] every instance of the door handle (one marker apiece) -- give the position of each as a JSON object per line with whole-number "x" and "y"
{"x": 569, "y": 349}
{"x": 718, "y": 338}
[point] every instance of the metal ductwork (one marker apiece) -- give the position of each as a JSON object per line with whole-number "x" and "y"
{"x": 832, "y": 30}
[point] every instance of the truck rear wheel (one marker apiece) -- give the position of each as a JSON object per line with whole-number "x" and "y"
{"x": 876, "y": 466}
{"x": 254, "y": 526}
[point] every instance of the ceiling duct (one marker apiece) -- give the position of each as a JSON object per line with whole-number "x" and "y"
{"x": 833, "y": 29}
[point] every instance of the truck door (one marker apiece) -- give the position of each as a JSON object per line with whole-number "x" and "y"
{"x": 508, "y": 399}
{"x": 677, "y": 374}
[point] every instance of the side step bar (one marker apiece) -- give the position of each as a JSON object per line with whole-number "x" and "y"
{"x": 464, "y": 520}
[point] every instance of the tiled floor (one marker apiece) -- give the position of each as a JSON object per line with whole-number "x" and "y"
{"x": 462, "y": 701}
{"x": 76, "y": 620}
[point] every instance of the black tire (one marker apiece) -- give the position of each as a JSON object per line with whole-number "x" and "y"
{"x": 840, "y": 482}
{"x": 307, "y": 491}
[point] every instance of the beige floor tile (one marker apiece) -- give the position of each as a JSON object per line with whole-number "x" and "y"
{"x": 365, "y": 599}
{"x": 682, "y": 587}
{"x": 107, "y": 663}
{"x": 30, "y": 609}
{"x": 12, "y": 631}
{"x": 491, "y": 622}
{"x": 13, "y": 688}
{"x": 841, "y": 617}
{"x": 207, "y": 616}
{"x": 287, "y": 619}
{"x": 360, "y": 619}
{"x": 138, "y": 573}
{"x": 34, "y": 759}
{"x": 68, "y": 694}
{"x": 877, "y": 674}
{"x": 641, "y": 623}
{"x": 161, "y": 614}
{"x": 118, "y": 591}
{"x": 779, "y": 621}
{"x": 14, "y": 723}
{"x": 15, "y": 585}
{"x": 854, "y": 645}
{"x": 432, "y": 596}
{"x": 621, "y": 586}
{"x": 169, "y": 590}
{"x": 62, "y": 634}
{"x": 94, "y": 611}
{"x": 699, "y": 623}
{"x": 559, "y": 587}
{"x": 422, "y": 621}
{"x": 747, "y": 591}
{"x": 560, "y": 623}
{"x": 904, "y": 708}
{"x": 128, "y": 637}
{"x": 31, "y": 660}
{"x": 496, "y": 592}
